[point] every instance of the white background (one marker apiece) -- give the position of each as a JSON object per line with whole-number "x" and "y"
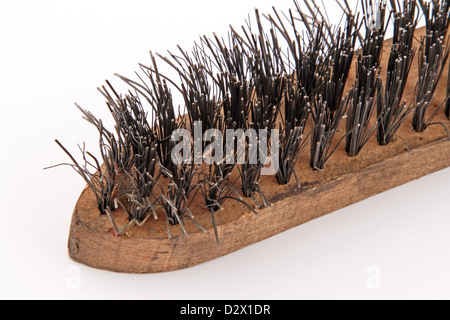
{"x": 53, "y": 53}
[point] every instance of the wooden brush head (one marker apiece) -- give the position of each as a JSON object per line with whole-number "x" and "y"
{"x": 370, "y": 119}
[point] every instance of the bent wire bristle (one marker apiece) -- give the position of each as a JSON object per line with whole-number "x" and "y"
{"x": 135, "y": 177}
{"x": 100, "y": 181}
{"x": 200, "y": 93}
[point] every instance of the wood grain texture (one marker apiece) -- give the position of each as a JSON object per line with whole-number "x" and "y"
{"x": 345, "y": 181}
{"x": 145, "y": 255}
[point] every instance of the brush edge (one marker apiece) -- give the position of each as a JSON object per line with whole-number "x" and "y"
{"x": 104, "y": 251}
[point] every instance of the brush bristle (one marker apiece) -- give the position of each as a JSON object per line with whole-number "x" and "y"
{"x": 289, "y": 75}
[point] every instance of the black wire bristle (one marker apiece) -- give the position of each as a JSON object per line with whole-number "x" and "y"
{"x": 262, "y": 116}
{"x": 447, "y": 105}
{"x": 165, "y": 117}
{"x": 391, "y": 110}
{"x": 249, "y": 84}
{"x": 325, "y": 128}
{"x": 363, "y": 94}
{"x": 308, "y": 51}
{"x": 362, "y": 105}
{"x": 431, "y": 67}
{"x": 436, "y": 13}
{"x": 138, "y": 175}
{"x": 132, "y": 155}
{"x": 175, "y": 200}
{"x": 266, "y": 71}
{"x": 206, "y": 96}
{"x": 116, "y": 155}
{"x": 329, "y": 106}
{"x": 233, "y": 80}
{"x": 198, "y": 88}
{"x": 235, "y": 84}
{"x": 296, "y": 112}
{"x": 100, "y": 180}
{"x": 375, "y": 24}
{"x": 433, "y": 55}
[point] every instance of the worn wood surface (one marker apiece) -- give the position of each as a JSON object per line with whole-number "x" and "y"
{"x": 345, "y": 181}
